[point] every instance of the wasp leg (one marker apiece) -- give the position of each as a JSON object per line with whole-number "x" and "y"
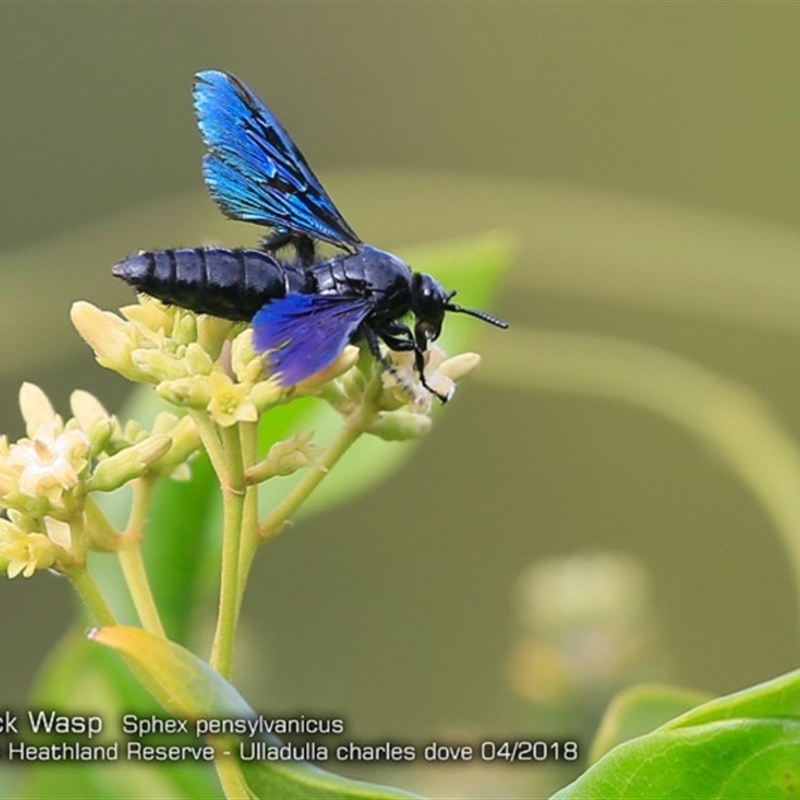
{"x": 391, "y": 336}
{"x": 392, "y": 344}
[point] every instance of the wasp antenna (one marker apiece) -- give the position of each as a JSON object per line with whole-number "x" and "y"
{"x": 473, "y": 312}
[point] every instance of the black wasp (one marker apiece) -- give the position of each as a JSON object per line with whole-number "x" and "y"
{"x": 304, "y": 309}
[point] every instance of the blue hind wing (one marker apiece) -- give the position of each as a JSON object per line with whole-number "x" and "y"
{"x": 253, "y": 169}
{"x": 303, "y": 333}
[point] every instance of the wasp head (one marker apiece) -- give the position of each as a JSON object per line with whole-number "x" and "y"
{"x": 428, "y": 304}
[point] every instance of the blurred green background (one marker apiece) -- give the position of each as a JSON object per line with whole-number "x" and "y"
{"x": 644, "y": 156}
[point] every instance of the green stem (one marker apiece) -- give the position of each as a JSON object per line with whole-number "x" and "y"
{"x": 356, "y": 424}
{"x": 102, "y": 535}
{"x": 132, "y": 562}
{"x": 233, "y": 495}
{"x": 211, "y": 441}
{"x": 250, "y": 538}
{"x": 230, "y": 777}
{"x": 90, "y": 593}
{"x": 734, "y": 421}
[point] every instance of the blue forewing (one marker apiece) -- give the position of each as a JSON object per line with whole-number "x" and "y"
{"x": 254, "y": 171}
{"x": 303, "y": 333}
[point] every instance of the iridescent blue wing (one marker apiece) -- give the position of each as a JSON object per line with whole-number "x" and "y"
{"x": 303, "y": 333}
{"x": 254, "y": 171}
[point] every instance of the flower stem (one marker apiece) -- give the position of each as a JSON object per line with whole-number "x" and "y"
{"x": 211, "y": 441}
{"x": 230, "y": 777}
{"x": 359, "y": 420}
{"x": 90, "y": 593}
{"x": 233, "y": 500}
{"x": 132, "y": 563}
{"x": 250, "y": 538}
{"x": 102, "y": 535}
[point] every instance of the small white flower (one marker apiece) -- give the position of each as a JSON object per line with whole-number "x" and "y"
{"x": 49, "y": 462}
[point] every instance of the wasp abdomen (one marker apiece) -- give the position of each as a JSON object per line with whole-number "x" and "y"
{"x": 233, "y": 284}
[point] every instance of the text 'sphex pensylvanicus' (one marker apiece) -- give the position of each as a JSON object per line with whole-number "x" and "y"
{"x": 304, "y": 309}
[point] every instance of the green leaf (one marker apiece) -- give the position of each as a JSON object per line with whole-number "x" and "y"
{"x": 639, "y": 710}
{"x": 80, "y": 679}
{"x": 188, "y": 688}
{"x": 779, "y": 697}
{"x": 743, "y": 745}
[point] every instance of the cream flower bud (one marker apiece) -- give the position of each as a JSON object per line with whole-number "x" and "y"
{"x": 58, "y": 532}
{"x": 150, "y": 313}
{"x": 93, "y": 419}
{"x": 130, "y": 463}
{"x": 111, "y": 339}
{"x": 247, "y": 365}
{"x": 36, "y": 408}
{"x": 184, "y": 330}
{"x": 165, "y": 422}
{"x": 157, "y": 365}
{"x": 193, "y": 392}
{"x": 266, "y": 393}
{"x": 458, "y": 367}
{"x": 13, "y": 499}
{"x": 212, "y": 333}
{"x": 287, "y": 457}
{"x": 398, "y": 426}
{"x": 185, "y": 442}
{"x": 133, "y": 432}
{"x": 197, "y": 361}
{"x": 87, "y": 409}
{"x": 347, "y": 359}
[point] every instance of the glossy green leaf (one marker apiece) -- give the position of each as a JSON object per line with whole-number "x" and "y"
{"x": 744, "y": 745}
{"x": 779, "y": 697}
{"x": 639, "y": 710}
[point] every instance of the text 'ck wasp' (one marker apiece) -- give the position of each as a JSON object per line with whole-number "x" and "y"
{"x": 304, "y": 309}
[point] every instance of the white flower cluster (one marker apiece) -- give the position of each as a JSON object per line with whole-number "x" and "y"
{"x": 46, "y": 477}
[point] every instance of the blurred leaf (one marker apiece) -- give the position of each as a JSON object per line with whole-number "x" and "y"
{"x": 81, "y": 679}
{"x": 188, "y": 688}
{"x": 185, "y": 685}
{"x": 741, "y": 745}
{"x": 283, "y": 782}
